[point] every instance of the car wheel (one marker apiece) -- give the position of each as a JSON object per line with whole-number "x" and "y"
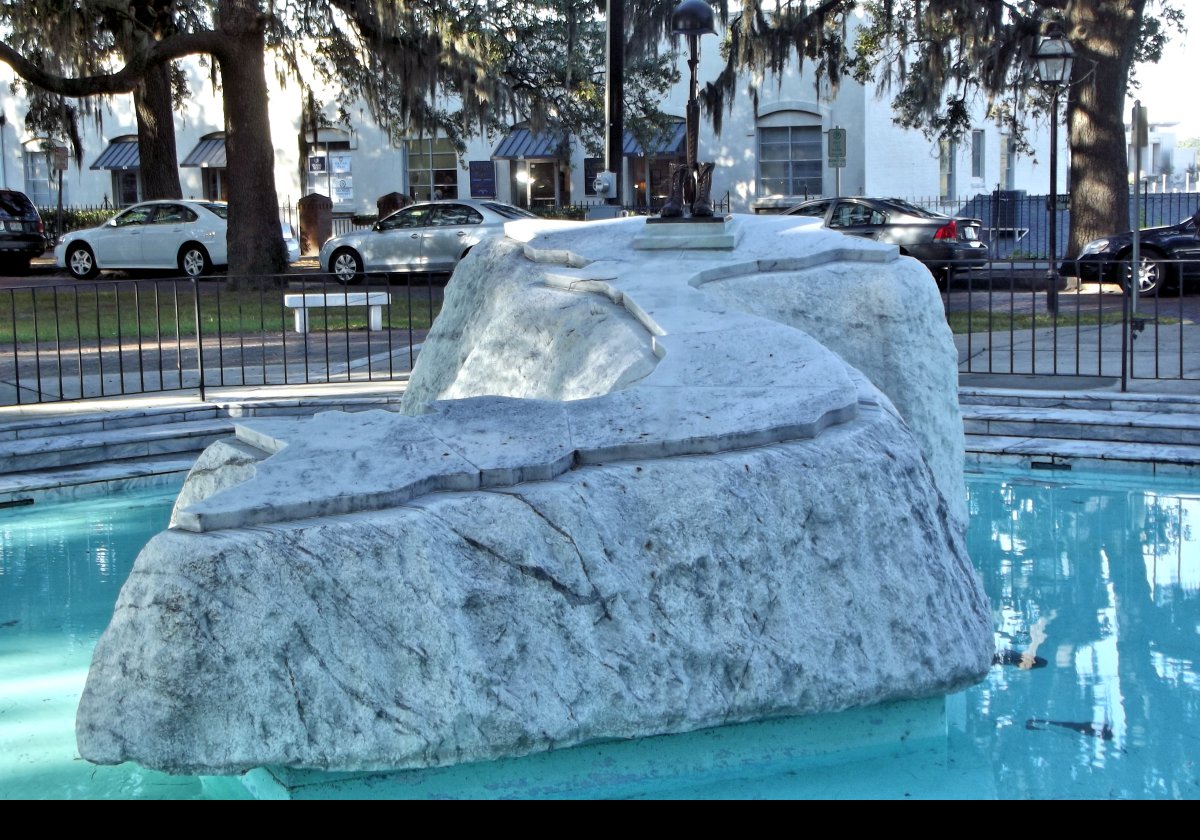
{"x": 1152, "y": 274}
{"x": 81, "y": 263}
{"x": 346, "y": 267}
{"x": 194, "y": 261}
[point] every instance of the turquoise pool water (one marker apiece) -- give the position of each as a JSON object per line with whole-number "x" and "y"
{"x": 1094, "y": 581}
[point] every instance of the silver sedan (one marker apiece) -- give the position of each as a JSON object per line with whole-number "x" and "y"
{"x": 428, "y": 237}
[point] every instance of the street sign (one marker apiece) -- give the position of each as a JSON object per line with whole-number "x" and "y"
{"x": 60, "y": 158}
{"x": 837, "y": 148}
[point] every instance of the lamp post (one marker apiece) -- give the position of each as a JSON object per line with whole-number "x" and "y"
{"x": 690, "y": 185}
{"x": 1054, "y": 56}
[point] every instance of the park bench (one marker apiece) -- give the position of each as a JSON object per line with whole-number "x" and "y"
{"x": 375, "y": 301}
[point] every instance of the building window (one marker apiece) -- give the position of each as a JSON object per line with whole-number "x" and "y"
{"x": 977, "y": 154}
{"x": 1008, "y": 161}
{"x": 947, "y": 155}
{"x": 789, "y": 160}
{"x": 592, "y": 167}
{"x": 39, "y": 176}
{"x": 432, "y": 169}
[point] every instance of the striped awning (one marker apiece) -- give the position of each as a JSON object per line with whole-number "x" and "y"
{"x": 208, "y": 153}
{"x": 670, "y": 143}
{"x": 523, "y": 143}
{"x": 120, "y": 154}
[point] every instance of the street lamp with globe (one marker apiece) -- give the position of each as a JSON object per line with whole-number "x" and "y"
{"x": 1055, "y": 57}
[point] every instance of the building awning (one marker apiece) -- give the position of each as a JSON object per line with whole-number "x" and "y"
{"x": 120, "y": 154}
{"x": 523, "y": 143}
{"x": 209, "y": 153}
{"x": 670, "y": 143}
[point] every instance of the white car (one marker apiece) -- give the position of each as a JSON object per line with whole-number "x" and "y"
{"x": 428, "y": 237}
{"x": 187, "y": 235}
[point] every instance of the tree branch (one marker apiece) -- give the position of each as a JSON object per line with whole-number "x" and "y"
{"x": 120, "y": 81}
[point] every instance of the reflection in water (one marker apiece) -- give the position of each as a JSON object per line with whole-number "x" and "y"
{"x": 1103, "y": 580}
{"x": 1094, "y": 692}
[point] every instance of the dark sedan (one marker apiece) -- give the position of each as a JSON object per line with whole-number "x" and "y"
{"x": 943, "y": 243}
{"x": 1168, "y": 256}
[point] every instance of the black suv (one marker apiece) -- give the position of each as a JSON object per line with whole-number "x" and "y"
{"x": 22, "y": 235}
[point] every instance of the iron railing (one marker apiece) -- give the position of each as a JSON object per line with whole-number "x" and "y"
{"x": 1002, "y": 325}
{"x": 119, "y": 337}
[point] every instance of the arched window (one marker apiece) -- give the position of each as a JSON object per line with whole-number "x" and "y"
{"x": 790, "y": 148}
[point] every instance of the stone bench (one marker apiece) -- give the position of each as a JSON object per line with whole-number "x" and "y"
{"x": 375, "y": 301}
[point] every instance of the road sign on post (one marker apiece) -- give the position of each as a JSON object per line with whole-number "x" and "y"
{"x": 837, "y": 156}
{"x": 837, "y": 148}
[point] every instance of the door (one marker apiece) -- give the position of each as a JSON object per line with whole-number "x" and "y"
{"x": 857, "y": 219}
{"x": 395, "y": 243}
{"x": 1186, "y": 247}
{"x": 119, "y": 243}
{"x": 455, "y": 228}
{"x": 166, "y": 231}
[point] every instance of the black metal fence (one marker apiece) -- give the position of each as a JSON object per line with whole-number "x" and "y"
{"x": 1016, "y": 225}
{"x": 119, "y": 337}
{"x": 1001, "y": 320}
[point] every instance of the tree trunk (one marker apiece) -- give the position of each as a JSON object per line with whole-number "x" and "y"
{"x": 1104, "y": 34}
{"x": 156, "y": 134}
{"x": 256, "y": 250}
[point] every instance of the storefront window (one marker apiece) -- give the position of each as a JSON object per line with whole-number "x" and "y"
{"x": 432, "y": 169}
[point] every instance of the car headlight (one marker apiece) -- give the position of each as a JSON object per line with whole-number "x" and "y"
{"x": 1096, "y": 246}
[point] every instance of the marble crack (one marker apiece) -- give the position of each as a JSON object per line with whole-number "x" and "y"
{"x": 562, "y": 532}
{"x": 537, "y": 573}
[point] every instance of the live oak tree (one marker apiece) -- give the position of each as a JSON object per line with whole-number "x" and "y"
{"x": 940, "y": 58}
{"x": 235, "y": 38}
{"x": 418, "y": 65}
{"x": 83, "y": 38}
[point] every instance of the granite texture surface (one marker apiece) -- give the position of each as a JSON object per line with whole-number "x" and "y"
{"x": 618, "y": 504}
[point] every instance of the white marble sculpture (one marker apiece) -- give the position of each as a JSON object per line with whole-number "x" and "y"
{"x": 633, "y": 492}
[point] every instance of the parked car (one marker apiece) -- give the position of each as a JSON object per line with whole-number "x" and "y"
{"x": 431, "y": 237}
{"x": 943, "y": 243}
{"x": 1168, "y": 257}
{"x": 188, "y": 235}
{"x": 291, "y": 242}
{"x": 22, "y": 234}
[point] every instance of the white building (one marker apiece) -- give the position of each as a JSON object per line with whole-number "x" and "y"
{"x": 766, "y": 160}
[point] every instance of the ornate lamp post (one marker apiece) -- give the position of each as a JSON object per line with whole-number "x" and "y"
{"x": 1054, "y": 56}
{"x": 691, "y": 183}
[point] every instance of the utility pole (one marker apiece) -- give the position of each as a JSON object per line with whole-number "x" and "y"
{"x": 614, "y": 94}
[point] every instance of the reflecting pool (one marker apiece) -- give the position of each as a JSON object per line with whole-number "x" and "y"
{"x": 1095, "y": 588}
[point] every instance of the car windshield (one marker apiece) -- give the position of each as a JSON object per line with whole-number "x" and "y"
{"x": 221, "y": 210}
{"x": 508, "y": 211}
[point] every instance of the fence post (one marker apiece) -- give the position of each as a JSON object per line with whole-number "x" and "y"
{"x": 1126, "y": 344}
{"x": 199, "y": 339}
